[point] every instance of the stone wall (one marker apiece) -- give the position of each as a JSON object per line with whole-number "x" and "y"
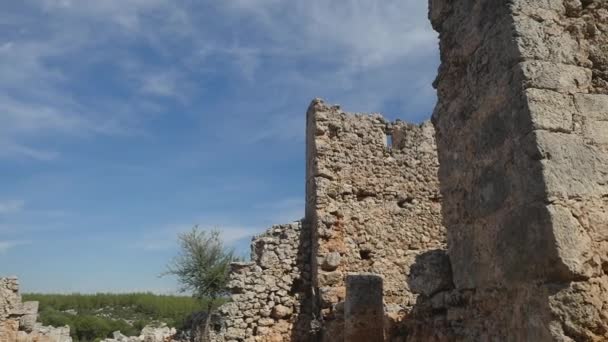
{"x": 522, "y": 127}
{"x": 373, "y": 204}
{"x": 522, "y": 141}
{"x": 269, "y": 293}
{"x": 18, "y": 319}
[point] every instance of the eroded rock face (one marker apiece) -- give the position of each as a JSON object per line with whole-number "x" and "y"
{"x": 523, "y": 156}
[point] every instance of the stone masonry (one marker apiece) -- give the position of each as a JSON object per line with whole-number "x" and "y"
{"x": 373, "y": 204}
{"x": 18, "y": 319}
{"x": 514, "y": 166}
{"x": 522, "y": 134}
{"x": 269, "y": 293}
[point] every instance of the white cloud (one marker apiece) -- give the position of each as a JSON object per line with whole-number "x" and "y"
{"x": 42, "y": 67}
{"x": 360, "y": 33}
{"x": 291, "y": 49}
{"x": 11, "y": 150}
{"x": 11, "y": 206}
{"x": 5, "y": 246}
{"x": 159, "y": 84}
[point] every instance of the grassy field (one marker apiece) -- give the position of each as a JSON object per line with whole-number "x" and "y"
{"x": 96, "y": 316}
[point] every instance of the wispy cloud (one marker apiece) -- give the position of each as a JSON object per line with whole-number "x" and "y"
{"x": 152, "y": 50}
{"x": 11, "y": 206}
{"x": 45, "y": 64}
{"x": 362, "y": 34}
{"x": 5, "y": 246}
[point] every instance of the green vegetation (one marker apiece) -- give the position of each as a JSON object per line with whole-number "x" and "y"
{"x": 202, "y": 267}
{"x": 203, "y": 264}
{"x": 97, "y": 316}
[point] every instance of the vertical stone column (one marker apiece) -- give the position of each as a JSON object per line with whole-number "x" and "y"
{"x": 363, "y": 309}
{"x": 521, "y": 138}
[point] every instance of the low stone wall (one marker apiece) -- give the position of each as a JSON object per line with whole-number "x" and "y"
{"x": 269, "y": 294}
{"x": 18, "y": 319}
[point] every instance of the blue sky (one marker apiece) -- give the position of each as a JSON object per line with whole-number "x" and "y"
{"x": 125, "y": 122}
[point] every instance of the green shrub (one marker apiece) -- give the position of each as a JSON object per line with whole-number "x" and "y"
{"x": 98, "y": 315}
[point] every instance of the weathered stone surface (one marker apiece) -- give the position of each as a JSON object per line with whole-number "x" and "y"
{"x": 10, "y": 300}
{"x": 331, "y": 261}
{"x": 30, "y": 316}
{"x": 149, "y": 333}
{"x": 372, "y": 201}
{"x": 431, "y": 273}
{"x": 156, "y": 334}
{"x": 521, "y": 137}
{"x": 18, "y": 320}
{"x": 281, "y": 311}
{"x": 270, "y": 301}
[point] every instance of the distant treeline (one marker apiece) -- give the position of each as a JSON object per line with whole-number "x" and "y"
{"x": 93, "y": 316}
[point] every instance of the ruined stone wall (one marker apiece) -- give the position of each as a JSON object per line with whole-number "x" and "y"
{"x": 269, "y": 293}
{"x": 373, "y": 204}
{"x": 522, "y": 134}
{"x": 10, "y": 304}
{"x": 18, "y": 319}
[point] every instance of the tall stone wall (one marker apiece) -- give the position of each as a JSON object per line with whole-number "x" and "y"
{"x": 372, "y": 202}
{"x": 270, "y": 293}
{"x": 522, "y": 134}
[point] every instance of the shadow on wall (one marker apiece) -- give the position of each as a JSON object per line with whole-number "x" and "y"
{"x": 303, "y": 330}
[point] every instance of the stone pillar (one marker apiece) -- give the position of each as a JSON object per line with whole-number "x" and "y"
{"x": 521, "y": 134}
{"x": 363, "y": 309}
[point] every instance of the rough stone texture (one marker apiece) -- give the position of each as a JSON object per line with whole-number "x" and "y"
{"x": 372, "y": 206}
{"x": 10, "y": 304}
{"x": 42, "y": 333}
{"x": 363, "y": 309}
{"x": 269, "y": 294}
{"x": 18, "y": 320}
{"x": 521, "y": 134}
{"x": 27, "y": 322}
{"x": 431, "y": 273}
{"x": 149, "y": 333}
{"x": 372, "y": 201}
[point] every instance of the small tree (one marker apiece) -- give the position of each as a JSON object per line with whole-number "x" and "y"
{"x": 202, "y": 265}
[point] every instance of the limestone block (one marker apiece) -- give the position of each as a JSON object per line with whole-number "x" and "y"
{"x": 550, "y": 110}
{"x": 562, "y": 78}
{"x": 593, "y": 106}
{"x": 570, "y": 167}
